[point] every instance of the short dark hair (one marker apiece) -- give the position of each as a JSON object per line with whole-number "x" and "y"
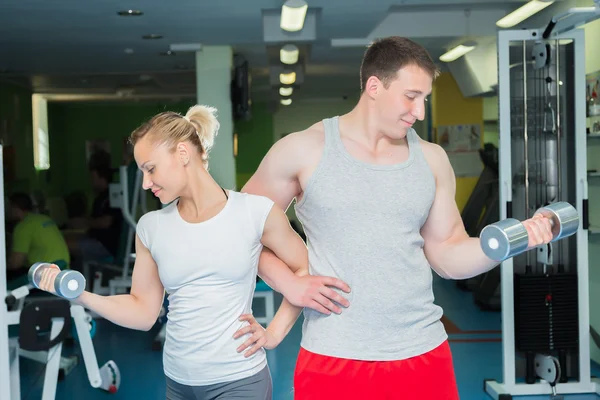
{"x": 384, "y": 57}
{"x": 104, "y": 173}
{"x": 99, "y": 163}
{"x": 22, "y": 201}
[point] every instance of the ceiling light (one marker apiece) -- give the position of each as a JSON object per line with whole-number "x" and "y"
{"x": 167, "y": 53}
{"x": 522, "y": 13}
{"x": 457, "y": 52}
{"x": 289, "y": 54}
{"x": 152, "y": 36}
{"x": 287, "y": 78}
{"x": 130, "y": 13}
{"x": 286, "y": 91}
{"x": 293, "y": 13}
{"x": 286, "y": 102}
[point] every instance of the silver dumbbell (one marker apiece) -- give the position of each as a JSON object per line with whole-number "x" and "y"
{"x": 68, "y": 284}
{"x": 507, "y": 238}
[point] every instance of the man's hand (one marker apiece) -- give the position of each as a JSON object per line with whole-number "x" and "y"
{"x": 539, "y": 230}
{"x": 260, "y": 338}
{"x": 315, "y": 292}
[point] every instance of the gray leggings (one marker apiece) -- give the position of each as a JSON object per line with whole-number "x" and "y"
{"x": 256, "y": 387}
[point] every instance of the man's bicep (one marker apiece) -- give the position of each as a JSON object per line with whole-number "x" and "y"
{"x": 276, "y": 177}
{"x": 444, "y": 222}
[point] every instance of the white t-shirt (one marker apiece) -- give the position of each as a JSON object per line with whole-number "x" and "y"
{"x": 209, "y": 271}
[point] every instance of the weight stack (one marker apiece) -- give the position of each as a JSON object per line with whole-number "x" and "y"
{"x": 546, "y": 312}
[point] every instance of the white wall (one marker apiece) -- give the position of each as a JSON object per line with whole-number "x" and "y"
{"x": 592, "y": 55}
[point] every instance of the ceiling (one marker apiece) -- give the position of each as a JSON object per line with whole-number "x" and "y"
{"x": 86, "y": 48}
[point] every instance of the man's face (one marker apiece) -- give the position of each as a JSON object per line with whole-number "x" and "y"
{"x": 403, "y": 102}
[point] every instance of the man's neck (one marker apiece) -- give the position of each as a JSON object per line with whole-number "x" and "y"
{"x": 102, "y": 189}
{"x": 361, "y": 125}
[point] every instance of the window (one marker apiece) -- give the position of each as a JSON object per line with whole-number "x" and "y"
{"x": 41, "y": 142}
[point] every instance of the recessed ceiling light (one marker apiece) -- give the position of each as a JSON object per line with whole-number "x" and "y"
{"x": 130, "y": 13}
{"x": 167, "y": 53}
{"x": 286, "y": 91}
{"x": 289, "y": 54}
{"x": 152, "y": 36}
{"x": 293, "y": 13}
{"x": 128, "y": 51}
{"x": 287, "y": 78}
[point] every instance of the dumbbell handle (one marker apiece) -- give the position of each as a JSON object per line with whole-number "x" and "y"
{"x": 563, "y": 217}
{"x": 509, "y": 237}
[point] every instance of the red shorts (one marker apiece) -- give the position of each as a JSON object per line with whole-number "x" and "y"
{"x": 426, "y": 377}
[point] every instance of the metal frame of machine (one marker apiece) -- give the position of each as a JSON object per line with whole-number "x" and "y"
{"x": 5, "y": 356}
{"x": 510, "y": 385}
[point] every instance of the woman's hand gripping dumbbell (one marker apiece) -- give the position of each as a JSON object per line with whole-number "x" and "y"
{"x": 507, "y": 238}
{"x": 68, "y": 284}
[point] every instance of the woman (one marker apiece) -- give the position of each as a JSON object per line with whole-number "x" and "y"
{"x": 203, "y": 249}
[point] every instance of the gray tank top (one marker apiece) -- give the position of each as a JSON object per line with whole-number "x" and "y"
{"x": 362, "y": 223}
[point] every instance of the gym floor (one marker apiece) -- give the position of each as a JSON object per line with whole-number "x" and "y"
{"x": 475, "y": 339}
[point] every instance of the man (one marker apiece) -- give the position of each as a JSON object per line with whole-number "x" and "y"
{"x": 35, "y": 238}
{"x": 378, "y": 207}
{"x": 105, "y": 223}
{"x": 102, "y": 238}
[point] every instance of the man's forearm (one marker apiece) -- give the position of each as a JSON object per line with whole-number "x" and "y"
{"x": 275, "y": 272}
{"x": 462, "y": 259}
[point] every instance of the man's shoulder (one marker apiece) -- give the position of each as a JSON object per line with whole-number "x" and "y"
{"x": 35, "y": 219}
{"x": 294, "y": 152}
{"x": 30, "y": 223}
{"x": 435, "y": 155}
{"x": 308, "y": 138}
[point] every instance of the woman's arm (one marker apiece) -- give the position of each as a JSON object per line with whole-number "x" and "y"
{"x": 137, "y": 310}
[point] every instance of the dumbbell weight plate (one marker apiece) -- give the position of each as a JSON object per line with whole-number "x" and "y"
{"x": 503, "y": 239}
{"x": 69, "y": 284}
{"x": 564, "y": 219}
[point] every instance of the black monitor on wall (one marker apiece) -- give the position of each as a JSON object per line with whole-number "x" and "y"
{"x": 240, "y": 89}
